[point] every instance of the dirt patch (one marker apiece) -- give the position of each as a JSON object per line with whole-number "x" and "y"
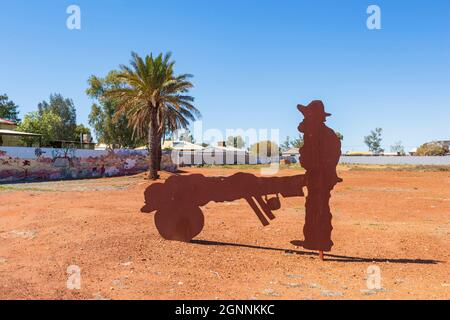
{"x": 396, "y": 220}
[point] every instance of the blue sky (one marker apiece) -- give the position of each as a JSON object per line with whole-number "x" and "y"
{"x": 253, "y": 60}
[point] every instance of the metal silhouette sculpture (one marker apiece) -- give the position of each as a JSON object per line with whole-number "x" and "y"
{"x": 177, "y": 202}
{"x": 319, "y": 156}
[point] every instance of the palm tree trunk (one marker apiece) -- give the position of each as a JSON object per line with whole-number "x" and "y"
{"x": 153, "y": 143}
{"x": 159, "y": 153}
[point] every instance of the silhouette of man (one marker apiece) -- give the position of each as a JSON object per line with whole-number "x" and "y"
{"x": 319, "y": 155}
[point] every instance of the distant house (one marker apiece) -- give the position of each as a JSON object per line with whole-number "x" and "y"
{"x": 413, "y": 152}
{"x": 180, "y": 146}
{"x": 187, "y": 153}
{"x": 10, "y": 137}
{"x": 221, "y": 154}
{"x": 292, "y": 155}
{"x": 6, "y": 124}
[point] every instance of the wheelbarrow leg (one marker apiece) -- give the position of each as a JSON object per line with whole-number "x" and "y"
{"x": 321, "y": 255}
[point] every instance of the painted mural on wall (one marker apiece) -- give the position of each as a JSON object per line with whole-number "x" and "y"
{"x": 36, "y": 164}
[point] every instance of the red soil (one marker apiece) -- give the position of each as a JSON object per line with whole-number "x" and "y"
{"x": 398, "y": 221}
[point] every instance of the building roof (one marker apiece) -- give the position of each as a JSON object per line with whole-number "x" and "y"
{"x": 291, "y": 151}
{"x": 223, "y": 149}
{"x": 4, "y": 121}
{"x": 181, "y": 145}
{"x": 18, "y": 133}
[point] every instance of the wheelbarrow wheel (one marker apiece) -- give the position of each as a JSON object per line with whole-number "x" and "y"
{"x": 179, "y": 224}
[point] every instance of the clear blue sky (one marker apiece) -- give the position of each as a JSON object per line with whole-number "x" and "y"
{"x": 253, "y": 60}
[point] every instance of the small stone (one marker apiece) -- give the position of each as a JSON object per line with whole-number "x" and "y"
{"x": 291, "y": 275}
{"x": 25, "y": 234}
{"x": 215, "y": 273}
{"x": 293, "y": 285}
{"x": 369, "y": 292}
{"x": 328, "y": 293}
{"x": 180, "y": 283}
{"x": 270, "y": 292}
{"x": 314, "y": 285}
{"x": 98, "y": 296}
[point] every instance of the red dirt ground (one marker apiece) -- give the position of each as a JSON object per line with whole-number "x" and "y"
{"x": 398, "y": 221}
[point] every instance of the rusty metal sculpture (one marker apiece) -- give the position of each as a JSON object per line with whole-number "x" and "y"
{"x": 319, "y": 156}
{"x": 177, "y": 202}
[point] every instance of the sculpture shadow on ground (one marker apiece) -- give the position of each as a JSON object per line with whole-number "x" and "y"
{"x": 328, "y": 257}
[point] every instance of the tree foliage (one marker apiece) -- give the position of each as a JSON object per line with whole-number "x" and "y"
{"x": 65, "y": 109}
{"x": 54, "y": 120}
{"x": 432, "y": 149}
{"x": 46, "y": 123}
{"x": 154, "y": 100}
{"x": 110, "y": 129}
{"x": 373, "y": 141}
{"x": 8, "y": 109}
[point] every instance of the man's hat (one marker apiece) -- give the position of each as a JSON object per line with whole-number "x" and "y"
{"x": 315, "y": 108}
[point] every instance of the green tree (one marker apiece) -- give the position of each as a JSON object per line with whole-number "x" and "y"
{"x": 373, "y": 141}
{"x": 8, "y": 109}
{"x": 265, "y": 148}
{"x": 66, "y": 111}
{"x": 46, "y": 123}
{"x": 236, "y": 142}
{"x": 154, "y": 100}
{"x": 111, "y": 129}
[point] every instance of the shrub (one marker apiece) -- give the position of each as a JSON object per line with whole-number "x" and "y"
{"x": 431, "y": 149}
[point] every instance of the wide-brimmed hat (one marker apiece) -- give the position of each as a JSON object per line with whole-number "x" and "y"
{"x": 315, "y": 108}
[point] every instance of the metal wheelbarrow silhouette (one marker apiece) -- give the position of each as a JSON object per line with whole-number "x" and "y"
{"x": 177, "y": 202}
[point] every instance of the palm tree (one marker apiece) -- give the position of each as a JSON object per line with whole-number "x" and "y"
{"x": 154, "y": 100}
